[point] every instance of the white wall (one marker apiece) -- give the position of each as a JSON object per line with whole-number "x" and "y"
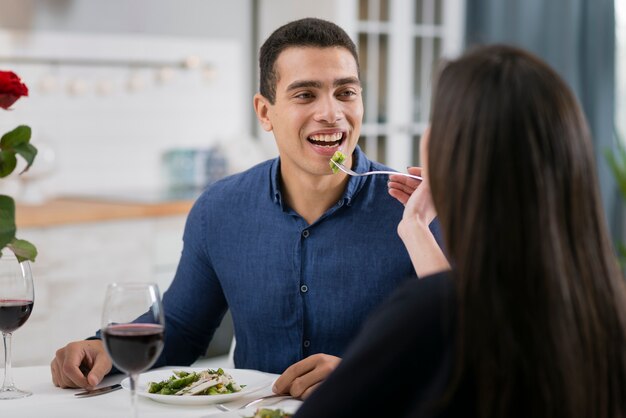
{"x": 115, "y": 140}
{"x": 274, "y": 13}
{"x": 186, "y": 18}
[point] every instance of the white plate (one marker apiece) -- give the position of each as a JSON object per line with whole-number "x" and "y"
{"x": 248, "y": 412}
{"x": 238, "y": 413}
{"x": 252, "y": 379}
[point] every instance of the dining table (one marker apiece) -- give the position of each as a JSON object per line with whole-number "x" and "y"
{"x": 49, "y": 401}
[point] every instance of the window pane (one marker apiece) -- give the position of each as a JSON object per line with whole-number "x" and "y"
{"x": 426, "y": 53}
{"x": 363, "y": 144}
{"x": 416, "y": 151}
{"x": 376, "y": 10}
{"x": 417, "y": 79}
{"x": 382, "y": 149}
{"x": 384, "y": 10}
{"x": 382, "y": 78}
{"x": 418, "y": 11}
{"x": 368, "y": 146}
{"x": 437, "y": 45}
{"x": 363, "y": 56}
{"x": 363, "y": 9}
{"x": 374, "y": 147}
{"x": 362, "y": 45}
{"x": 428, "y": 12}
{"x": 438, "y": 12}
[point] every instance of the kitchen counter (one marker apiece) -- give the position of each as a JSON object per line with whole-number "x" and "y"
{"x": 73, "y": 210}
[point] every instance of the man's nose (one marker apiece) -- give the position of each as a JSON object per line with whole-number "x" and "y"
{"x": 328, "y": 110}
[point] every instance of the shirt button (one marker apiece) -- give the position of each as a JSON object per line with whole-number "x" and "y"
{"x": 304, "y": 288}
{"x": 306, "y": 343}
{"x": 305, "y": 233}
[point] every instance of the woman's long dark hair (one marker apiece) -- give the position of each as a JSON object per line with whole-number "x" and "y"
{"x": 542, "y": 305}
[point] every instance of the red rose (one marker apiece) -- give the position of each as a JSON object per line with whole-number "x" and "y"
{"x": 11, "y": 89}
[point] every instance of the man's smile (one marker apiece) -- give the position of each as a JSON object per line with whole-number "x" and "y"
{"x": 327, "y": 140}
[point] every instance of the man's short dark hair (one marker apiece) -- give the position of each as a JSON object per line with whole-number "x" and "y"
{"x": 308, "y": 32}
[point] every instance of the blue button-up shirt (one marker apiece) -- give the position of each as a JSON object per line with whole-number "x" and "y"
{"x": 293, "y": 289}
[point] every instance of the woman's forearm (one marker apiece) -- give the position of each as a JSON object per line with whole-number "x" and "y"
{"x": 426, "y": 255}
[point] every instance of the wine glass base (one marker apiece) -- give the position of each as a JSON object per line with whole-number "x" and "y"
{"x": 12, "y": 392}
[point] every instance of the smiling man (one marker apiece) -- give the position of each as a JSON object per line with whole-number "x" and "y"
{"x": 300, "y": 255}
{"x": 314, "y": 109}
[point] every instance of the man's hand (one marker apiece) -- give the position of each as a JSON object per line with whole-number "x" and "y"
{"x": 302, "y": 378}
{"x": 80, "y": 364}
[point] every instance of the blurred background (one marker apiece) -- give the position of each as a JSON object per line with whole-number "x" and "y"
{"x": 137, "y": 105}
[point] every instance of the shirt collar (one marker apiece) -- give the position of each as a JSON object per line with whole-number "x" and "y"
{"x": 275, "y": 181}
{"x": 360, "y": 163}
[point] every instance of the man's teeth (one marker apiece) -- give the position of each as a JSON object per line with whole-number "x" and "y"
{"x": 326, "y": 140}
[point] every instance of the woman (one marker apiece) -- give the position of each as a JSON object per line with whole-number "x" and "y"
{"x": 531, "y": 321}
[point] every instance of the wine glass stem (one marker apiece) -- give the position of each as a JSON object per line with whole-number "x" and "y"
{"x": 8, "y": 375}
{"x": 133, "y": 395}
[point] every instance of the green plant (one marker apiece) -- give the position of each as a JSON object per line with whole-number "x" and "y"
{"x": 12, "y": 144}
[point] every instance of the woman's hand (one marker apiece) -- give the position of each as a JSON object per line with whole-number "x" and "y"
{"x": 402, "y": 187}
{"x": 414, "y": 195}
{"x": 419, "y": 211}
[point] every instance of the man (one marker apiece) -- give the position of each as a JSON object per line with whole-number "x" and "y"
{"x": 300, "y": 255}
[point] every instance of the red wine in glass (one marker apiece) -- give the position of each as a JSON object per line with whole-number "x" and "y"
{"x": 133, "y": 348}
{"x": 16, "y": 304}
{"x": 13, "y": 313}
{"x": 132, "y": 329}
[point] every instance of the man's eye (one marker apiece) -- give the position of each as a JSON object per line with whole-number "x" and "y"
{"x": 348, "y": 93}
{"x": 303, "y": 95}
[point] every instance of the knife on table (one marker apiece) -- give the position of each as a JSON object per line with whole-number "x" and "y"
{"x": 99, "y": 391}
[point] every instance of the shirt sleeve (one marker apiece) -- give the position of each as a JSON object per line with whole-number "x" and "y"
{"x": 194, "y": 304}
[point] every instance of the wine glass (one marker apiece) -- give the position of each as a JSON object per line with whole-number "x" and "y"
{"x": 16, "y": 303}
{"x": 132, "y": 329}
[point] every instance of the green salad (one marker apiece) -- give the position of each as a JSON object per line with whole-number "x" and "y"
{"x": 271, "y": 413}
{"x": 205, "y": 382}
{"x": 338, "y": 157}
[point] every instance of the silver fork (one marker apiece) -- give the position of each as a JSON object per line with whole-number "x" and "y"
{"x": 369, "y": 173}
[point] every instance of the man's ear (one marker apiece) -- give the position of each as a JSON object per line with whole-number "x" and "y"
{"x": 262, "y": 108}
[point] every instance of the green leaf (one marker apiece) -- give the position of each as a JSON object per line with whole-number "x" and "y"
{"x": 15, "y": 142}
{"x": 28, "y": 152}
{"x": 16, "y": 137}
{"x": 23, "y": 250}
{"x": 7, "y": 163}
{"x": 7, "y": 220}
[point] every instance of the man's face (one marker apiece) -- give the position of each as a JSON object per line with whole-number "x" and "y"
{"x": 318, "y": 108}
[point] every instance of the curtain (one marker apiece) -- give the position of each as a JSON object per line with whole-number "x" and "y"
{"x": 577, "y": 38}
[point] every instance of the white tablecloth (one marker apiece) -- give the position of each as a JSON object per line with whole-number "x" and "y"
{"x": 49, "y": 401}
